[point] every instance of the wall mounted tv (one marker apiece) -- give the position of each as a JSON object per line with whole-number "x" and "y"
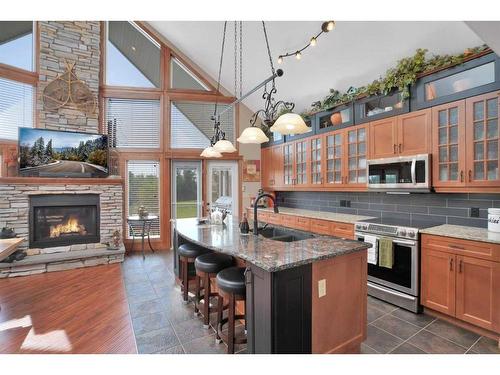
{"x": 52, "y": 153}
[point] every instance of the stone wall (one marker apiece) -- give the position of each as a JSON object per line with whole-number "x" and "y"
{"x": 74, "y": 42}
{"x": 14, "y": 210}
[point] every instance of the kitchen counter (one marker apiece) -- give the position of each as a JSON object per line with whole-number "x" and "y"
{"x": 332, "y": 216}
{"x": 463, "y": 232}
{"x": 270, "y": 255}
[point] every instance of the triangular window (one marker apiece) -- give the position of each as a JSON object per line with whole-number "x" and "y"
{"x": 16, "y": 44}
{"x": 182, "y": 78}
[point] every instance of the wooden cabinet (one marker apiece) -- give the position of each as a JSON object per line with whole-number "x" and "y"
{"x": 316, "y": 161}
{"x": 301, "y": 177}
{"x": 466, "y": 287}
{"x": 407, "y": 134}
{"x": 334, "y": 168}
{"x": 356, "y": 156}
{"x": 482, "y": 140}
{"x": 448, "y": 141}
{"x": 288, "y": 164}
{"x": 383, "y": 138}
{"x": 271, "y": 162}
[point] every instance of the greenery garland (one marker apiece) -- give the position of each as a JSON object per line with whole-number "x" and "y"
{"x": 401, "y": 77}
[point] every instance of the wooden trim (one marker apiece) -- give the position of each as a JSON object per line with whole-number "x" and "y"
{"x": 19, "y": 75}
{"x": 129, "y": 92}
{"x": 60, "y": 181}
{"x": 191, "y": 96}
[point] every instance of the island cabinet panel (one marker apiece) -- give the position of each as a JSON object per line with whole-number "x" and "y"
{"x": 414, "y": 132}
{"x": 461, "y": 278}
{"x": 478, "y": 292}
{"x": 278, "y": 309}
{"x": 383, "y": 138}
{"x": 342, "y": 300}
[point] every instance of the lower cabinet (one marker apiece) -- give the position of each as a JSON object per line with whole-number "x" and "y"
{"x": 462, "y": 286}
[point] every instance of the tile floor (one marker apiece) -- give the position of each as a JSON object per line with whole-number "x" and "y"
{"x": 162, "y": 324}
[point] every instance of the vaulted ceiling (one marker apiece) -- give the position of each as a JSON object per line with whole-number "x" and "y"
{"x": 353, "y": 54}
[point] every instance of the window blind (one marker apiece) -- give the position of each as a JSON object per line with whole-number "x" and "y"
{"x": 191, "y": 125}
{"x": 144, "y": 190}
{"x": 16, "y": 108}
{"x": 135, "y": 123}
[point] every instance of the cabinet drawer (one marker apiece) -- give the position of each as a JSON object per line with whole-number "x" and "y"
{"x": 275, "y": 219}
{"x": 343, "y": 230}
{"x": 289, "y": 221}
{"x": 321, "y": 226}
{"x": 303, "y": 223}
{"x": 476, "y": 249}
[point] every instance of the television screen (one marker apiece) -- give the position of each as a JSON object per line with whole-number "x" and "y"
{"x": 51, "y": 153}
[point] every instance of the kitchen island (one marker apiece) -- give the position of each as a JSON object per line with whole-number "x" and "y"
{"x": 307, "y": 296}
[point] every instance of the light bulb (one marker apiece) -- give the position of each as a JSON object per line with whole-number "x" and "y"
{"x": 280, "y": 60}
{"x": 298, "y": 55}
{"x": 313, "y": 41}
{"x": 330, "y": 25}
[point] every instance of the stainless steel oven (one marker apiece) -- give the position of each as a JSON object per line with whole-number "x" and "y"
{"x": 408, "y": 173}
{"x": 398, "y": 285}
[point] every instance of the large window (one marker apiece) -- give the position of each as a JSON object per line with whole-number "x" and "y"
{"x": 132, "y": 57}
{"x": 16, "y": 44}
{"x": 133, "y": 123}
{"x": 16, "y": 108}
{"x": 143, "y": 181}
{"x": 191, "y": 125}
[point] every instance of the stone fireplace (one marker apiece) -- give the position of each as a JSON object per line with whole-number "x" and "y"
{"x": 61, "y": 219}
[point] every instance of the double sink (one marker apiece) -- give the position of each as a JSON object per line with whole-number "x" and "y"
{"x": 284, "y": 234}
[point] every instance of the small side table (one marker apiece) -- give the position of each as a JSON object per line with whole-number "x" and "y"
{"x": 145, "y": 224}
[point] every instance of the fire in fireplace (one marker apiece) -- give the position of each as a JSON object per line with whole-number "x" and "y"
{"x": 64, "y": 219}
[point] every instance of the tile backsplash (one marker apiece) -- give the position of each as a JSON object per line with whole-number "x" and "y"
{"x": 429, "y": 208}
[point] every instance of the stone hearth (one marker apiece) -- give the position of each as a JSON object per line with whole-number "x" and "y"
{"x": 14, "y": 212}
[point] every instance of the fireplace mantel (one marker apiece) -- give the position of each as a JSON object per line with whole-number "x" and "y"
{"x": 60, "y": 181}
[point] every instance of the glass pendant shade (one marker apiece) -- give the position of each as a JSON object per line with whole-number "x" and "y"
{"x": 290, "y": 123}
{"x": 224, "y": 146}
{"x": 210, "y": 152}
{"x": 253, "y": 134}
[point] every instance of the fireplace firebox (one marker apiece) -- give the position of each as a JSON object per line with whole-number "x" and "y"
{"x": 63, "y": 219}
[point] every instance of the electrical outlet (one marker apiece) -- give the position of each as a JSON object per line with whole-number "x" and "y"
{"x": 474, "y": 212}
{"x": 347, "y": 203}
{"x": 322, "y": 288}
{"x": 342, "y": 203}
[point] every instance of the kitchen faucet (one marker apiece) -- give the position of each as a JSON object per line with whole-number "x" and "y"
{"x": 255, "y": 222}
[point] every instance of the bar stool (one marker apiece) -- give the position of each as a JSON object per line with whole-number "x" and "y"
{"x": 231, "y": 285}
{"x": 207, "y": 266}
{"x": 187, "y": 254}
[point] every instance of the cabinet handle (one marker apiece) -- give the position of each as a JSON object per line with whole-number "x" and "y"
{"x": 470, "y": 175}
{"x": 460, "y": 266}
{"x": 461, "y": 176}
{"x": 400, "y": 148}
{"x": 456, "y": 247}
{"x": 451, "y": 264}
{"x": 394, "y": 147}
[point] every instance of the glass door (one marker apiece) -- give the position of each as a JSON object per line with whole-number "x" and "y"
{"x": 222, "y": 178}
{"x": 186, "y": 189}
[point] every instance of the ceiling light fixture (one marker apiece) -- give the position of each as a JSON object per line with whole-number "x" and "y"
{"x": 325, "y": 27}
{"x": 290, "y": 124}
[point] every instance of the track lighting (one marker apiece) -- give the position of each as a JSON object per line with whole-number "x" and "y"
{"x": 313, "y": 41}
{"x": 298, "y": 55}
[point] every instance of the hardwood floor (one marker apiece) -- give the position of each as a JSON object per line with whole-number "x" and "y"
{"x": 77, "y": 311}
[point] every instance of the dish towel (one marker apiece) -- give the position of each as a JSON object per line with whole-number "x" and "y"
{"x": 372, "y": 251}
{"x": 385, "y": 253}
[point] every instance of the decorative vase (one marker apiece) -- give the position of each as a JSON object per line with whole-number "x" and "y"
{"x": 336, "y": 119}
{"x": 142, "y": 212}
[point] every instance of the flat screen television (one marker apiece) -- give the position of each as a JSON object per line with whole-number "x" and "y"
{"x": 53, "y": 153}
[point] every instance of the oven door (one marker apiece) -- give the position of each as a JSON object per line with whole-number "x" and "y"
{"x": 410, "y": 173}
{"x": 403, "y": 275}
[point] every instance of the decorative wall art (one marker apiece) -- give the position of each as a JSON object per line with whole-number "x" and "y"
{"x": 251, "y": 170}
{"x": 68, "y": 90}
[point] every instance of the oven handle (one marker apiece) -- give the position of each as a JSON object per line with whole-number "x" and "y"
{"x": 390, "y": 291}
{"x": 394, "y": 240}
{"x": 413, "y": 174}
{"x": 403, "y": 242}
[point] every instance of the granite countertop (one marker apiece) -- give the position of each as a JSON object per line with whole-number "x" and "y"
{"x": 332, "y": 216}
{"x": 463, "y": 232}
{"x": 267, "y": 254}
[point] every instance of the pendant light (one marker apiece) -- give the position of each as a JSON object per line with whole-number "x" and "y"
{"x": 289, "y": 124}
{"x": 253, "y": 135}
{"x": 211, "y": 152}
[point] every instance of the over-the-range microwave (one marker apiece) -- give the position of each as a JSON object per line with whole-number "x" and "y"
{"x": 403, "y": 173}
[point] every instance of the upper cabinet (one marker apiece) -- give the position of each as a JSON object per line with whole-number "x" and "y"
{"x": 407, "y": 134}
{"x": 374, "y": 108}
{"x": 482, "y": 140}
{"x": 316, "y": 161}
{"x": 336, "y": 118}
{"x": 272, "y": 172}
{"x": 335, "y": 158}
{"x": 356, "y": 155}
{"x": 475, "y": 77}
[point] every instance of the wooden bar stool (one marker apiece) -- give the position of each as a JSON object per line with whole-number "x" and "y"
{"x": 207, "y": 266}
{"x": 231, "y": 285}
{"x": 187, "y": 255}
